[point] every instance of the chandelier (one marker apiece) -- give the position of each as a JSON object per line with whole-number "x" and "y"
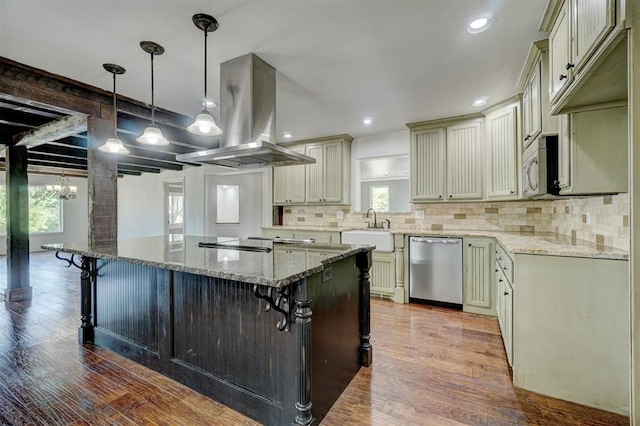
{"x": 63, "y": 190}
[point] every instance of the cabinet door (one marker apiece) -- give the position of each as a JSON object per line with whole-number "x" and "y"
{"x": 559, "y": 54}
{"x": 464, "y": 168}
{"x": 535, "y": 105}
{"x": 427, "y": 165}
{"x": 499, "y": 300}
{"x": 507, "y": 336}
{"x": 478, "y": 276}
{"x": 280, "y": 185}
{"x": 383, "y": 273}
{"x": 502, "y": 161}
{"x": 315, "y": 180}
{"x": 564, "y": 152}
{"x": 592, "y": 21}
{"x": 332, "y": 173}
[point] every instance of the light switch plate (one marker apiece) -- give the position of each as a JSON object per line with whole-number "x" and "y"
{"x": 419, "y": 214}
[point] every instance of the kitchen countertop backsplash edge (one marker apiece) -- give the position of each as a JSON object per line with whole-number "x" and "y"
{"x": 547, "y": 244}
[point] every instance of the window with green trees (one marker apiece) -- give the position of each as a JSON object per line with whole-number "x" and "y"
{"x": 45, "y": 210}
{"x": 379, "y": 198}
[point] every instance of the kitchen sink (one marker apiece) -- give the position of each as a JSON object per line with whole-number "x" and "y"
{"x": 383, "y": 240}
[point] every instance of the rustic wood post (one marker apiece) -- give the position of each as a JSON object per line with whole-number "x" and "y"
{"x": 102, "y": 176}
{"x": 18, "y": 283}
{"x": 363, "y": 262}
{"x": 87, "y": 289}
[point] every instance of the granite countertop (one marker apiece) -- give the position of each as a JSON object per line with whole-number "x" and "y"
{"x": 286, "y": 263}
{"x": 514, "y": 242}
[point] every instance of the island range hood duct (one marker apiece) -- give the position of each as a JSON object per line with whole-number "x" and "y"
{"x": 247, "y": 119}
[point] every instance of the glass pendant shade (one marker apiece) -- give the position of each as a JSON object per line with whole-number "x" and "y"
{"x": 152, "y": 136}
{"x": 113, "y": 146}
{"x": 205, "y": 124}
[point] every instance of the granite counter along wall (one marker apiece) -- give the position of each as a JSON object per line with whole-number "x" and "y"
{"x": 603, "y": 220}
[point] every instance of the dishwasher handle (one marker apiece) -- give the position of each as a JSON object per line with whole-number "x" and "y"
{"x": 436, "y": 240}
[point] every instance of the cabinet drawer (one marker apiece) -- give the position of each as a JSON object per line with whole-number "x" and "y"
{"x": 504, "y": 262}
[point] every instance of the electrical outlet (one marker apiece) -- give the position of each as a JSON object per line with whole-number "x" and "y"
{"x": 419, "y": 214}
{"x": 340, "y": 214}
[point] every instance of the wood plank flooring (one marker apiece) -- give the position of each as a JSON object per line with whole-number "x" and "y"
{"x": 431, "y": 366}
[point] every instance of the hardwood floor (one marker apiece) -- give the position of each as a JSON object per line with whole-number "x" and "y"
{"x": 431, "y": 366}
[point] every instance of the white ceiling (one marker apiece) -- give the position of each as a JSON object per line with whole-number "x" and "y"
{"x": 337, "y": 61}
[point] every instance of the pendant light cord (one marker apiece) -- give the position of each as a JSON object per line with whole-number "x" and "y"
{"x": 115, "y": 111}
{"x": 153, "y": 108}
{"x": 204, "y": 101}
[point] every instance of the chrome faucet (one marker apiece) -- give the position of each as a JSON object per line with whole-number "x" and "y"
{"x": 375, "y": 220}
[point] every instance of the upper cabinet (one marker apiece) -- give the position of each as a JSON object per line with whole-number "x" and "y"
{"x": 502, "y": 153}
{"x": 446, "y": 159}
{"x": 533, "y": 84}
{"x": 325, "y": 182}
{"x": 587, "y": 53}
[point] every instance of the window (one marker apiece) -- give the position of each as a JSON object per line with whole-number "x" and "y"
{"x": 45, "y": 210}
{"x": 379, "y": 198}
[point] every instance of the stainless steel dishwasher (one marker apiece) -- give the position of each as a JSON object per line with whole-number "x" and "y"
{"x": 435, "y": 271}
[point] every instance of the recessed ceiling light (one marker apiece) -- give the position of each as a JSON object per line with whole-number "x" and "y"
{"x": 367, "y": 121}
{"x": 481, "y": 24}
{"x": 479, "y": 102}
{"x": 287, "y": 135}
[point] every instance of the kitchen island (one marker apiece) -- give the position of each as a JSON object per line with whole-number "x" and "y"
{"x": 275, "y": 331}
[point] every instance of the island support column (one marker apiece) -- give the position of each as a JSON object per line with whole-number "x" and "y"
{"x": 102, "y": 176}
{"x": 18, "y": 282}
{"x": 363, "y": 262}
{"x": 303, "y": 315}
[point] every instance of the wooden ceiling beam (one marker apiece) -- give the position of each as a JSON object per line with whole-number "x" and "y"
{"x": 20, "y": 118}
{"x": 52, "y": 131}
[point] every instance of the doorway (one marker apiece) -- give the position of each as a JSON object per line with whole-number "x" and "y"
{"x": 174, "y": 207}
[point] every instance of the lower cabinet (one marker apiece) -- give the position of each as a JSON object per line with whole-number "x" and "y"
{"x": 383, "y": 274}
{"x": 504, "y": 309}
{"x": 478, "y": 294}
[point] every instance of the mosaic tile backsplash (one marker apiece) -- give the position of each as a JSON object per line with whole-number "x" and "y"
{"x": 603, "y": 220}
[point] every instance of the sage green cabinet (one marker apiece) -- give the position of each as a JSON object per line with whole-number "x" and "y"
{"x": 504, "y": 298}
{"x": 532, "y": 105}
{"x": 289, "y": 182}
{"x": 560, "y": 73}
{"x": 478, "y": 292}
{"x": 325, "y": 177}
{"x": 447, "y": 159}
{"x": 383, "y": 274}
{"x": 502, "y": 165}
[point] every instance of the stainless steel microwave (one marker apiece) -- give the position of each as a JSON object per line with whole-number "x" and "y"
{"x": 540, "y": 168}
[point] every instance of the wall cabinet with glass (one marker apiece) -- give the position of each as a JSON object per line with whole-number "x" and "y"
{"x": 587, "y": 55}
{"x": 325, "y": 182}
{"x": 446, "y": 159}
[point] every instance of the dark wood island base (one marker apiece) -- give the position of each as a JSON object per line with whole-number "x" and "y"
{"x": 278, "y": 354}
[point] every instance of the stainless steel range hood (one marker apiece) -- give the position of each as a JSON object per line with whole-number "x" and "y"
{"x": 247, "y": 119}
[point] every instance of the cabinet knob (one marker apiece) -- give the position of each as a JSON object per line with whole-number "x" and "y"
{"x": 569, "y": 66}
{"x": 562, "y": 77}
{"x": 505, "y": 268}
{"x": 506, "y": 293}
{"x": 527, "y": 137}
{"x": 450, "y": 196}
{"x": 499, "y": 280}
{"x": 511, "y": 192}
{"x": 496, "y": 270}
{"x": 439, "y": 196}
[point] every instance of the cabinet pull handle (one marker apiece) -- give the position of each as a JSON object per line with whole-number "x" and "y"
{"x": 527, "y": 138}
{"x": 506, "y": 293}
{"x": 499, "y": 280}
{"x": 496, "y": 270}
{"x": 562, "y": 77}
{"x": 569, "y": 66}
{"x": 505, "y": 268}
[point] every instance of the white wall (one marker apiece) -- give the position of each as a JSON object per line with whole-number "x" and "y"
{"x": 75, "y": 223}
{"x": 141, "y": 200}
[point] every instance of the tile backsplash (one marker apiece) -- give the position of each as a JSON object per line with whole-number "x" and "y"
{"x": 603, "y": 220}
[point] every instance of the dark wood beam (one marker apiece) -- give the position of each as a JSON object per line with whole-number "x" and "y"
{"x": 61, "y": 165}
{"x": 31, "y": 109}
{"x": 128, "y": 172}
{"x": 137, "y": 168}
{"x": 123, "y": 159}
{"x": 22, "y": 119}
{"x": 51, "y": 131}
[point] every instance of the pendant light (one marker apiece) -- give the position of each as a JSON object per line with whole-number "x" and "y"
{"x": 204, "y": 123}
{"x": 114, "y": 145}
{"x": 152, "y": 135}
